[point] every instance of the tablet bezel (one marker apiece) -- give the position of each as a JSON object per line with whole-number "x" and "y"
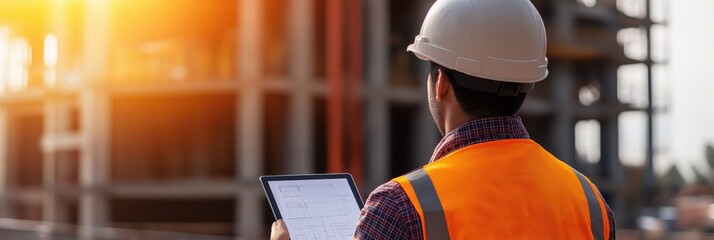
{"x": 271, "y": 199}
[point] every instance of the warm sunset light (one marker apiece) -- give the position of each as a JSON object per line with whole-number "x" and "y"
{"x": 50, "y": 60}
{"x": 4, "y": 56}
{"x": 120, "y": 119}
{"x": 19, "y": 58}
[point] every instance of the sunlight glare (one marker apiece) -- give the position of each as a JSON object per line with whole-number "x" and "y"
{"x": 50, "y": 53}
{"x": 632, "y": 8}
{"x": 20, "y": 59}
{"x": 588, "y": 3}
{"x": 587, "y": 140}
{"x": 50, "y": 59}
{"x": 4, "y": 55}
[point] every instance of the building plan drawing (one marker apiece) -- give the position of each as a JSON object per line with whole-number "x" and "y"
{"x": 317, "y": 208}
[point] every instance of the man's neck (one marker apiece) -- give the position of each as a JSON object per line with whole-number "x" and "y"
{"x": 455, "y": 119}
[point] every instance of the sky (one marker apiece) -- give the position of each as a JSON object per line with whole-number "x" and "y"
{"x": 690, "y": 124}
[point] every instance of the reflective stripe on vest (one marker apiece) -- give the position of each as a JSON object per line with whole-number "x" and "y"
{"x": 434, "y": 218}
{"x": 593, "y": 206}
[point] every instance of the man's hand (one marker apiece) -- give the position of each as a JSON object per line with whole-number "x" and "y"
{"x": 279, "y": 231}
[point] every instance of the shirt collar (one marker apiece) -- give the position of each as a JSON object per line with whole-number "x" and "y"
{"x": 478, "y": 131}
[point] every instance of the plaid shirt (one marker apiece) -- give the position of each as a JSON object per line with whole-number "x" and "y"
{"x": 388, "y": 213}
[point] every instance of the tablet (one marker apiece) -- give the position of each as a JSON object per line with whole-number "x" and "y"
{"x": 315, "y": 206}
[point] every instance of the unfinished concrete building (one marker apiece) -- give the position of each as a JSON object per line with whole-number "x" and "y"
{"x": 161, "y": 115}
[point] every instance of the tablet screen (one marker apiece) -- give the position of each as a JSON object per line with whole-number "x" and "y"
{"x": 320, "y": 206}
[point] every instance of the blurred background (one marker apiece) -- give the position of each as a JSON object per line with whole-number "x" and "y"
{"x": 153, "y": 119}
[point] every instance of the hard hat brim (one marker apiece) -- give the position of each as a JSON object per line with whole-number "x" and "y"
{"x": 412, "y": 48}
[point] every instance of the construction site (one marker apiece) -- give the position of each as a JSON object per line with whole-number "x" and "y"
{"x": 154, "y": 119}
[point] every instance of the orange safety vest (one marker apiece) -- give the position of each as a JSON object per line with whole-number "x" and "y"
{"x": 507, "y": 189}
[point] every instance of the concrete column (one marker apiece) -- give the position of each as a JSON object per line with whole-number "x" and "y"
{"x": 94, "y": 161}
{"x": 610, "y": 164}
{"x": 562, "y": 128}
{"x": 377, "y": 105}
{"x": 301, "y": 133}
{"x": 56, "y": 122}
{"x": 249, "y": 157}
{"x": 649, "y": 179}
{"x": 4, "y": 157}
{"x": 428, "y": 135}
{"x": 564, "y": 20}
{"x": 95, "y": 119}
{"x": 57, "y": 111}
{"x": 610, "y": 167}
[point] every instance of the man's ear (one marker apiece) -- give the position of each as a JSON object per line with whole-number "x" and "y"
{"x": 442, "y": 85}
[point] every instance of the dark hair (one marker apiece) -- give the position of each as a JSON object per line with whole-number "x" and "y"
{"x": 477, "y": 103}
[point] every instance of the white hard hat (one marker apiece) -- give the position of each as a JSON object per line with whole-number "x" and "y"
{"x": 502, "y": 40}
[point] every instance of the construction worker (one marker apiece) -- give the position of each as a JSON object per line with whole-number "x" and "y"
{"x": 486, "y": 179}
